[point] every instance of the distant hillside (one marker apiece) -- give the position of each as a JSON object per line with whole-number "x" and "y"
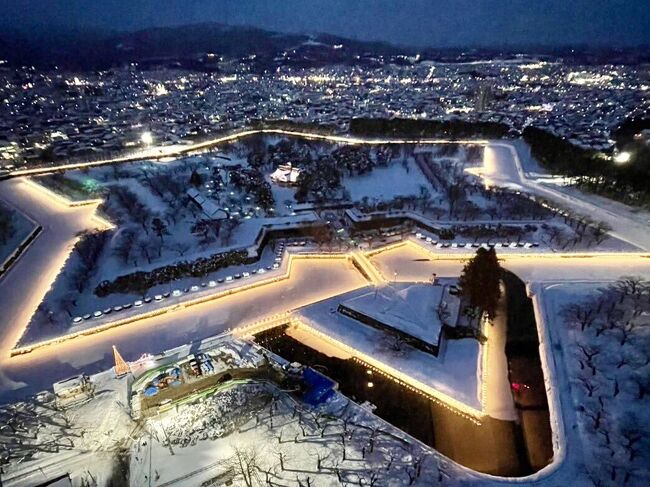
{"x": 185, "y": 46}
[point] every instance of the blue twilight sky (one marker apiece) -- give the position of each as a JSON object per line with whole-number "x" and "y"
{"x": 436, "y": 23}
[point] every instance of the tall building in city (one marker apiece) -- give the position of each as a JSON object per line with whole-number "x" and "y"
{"x": 484, "y": 96}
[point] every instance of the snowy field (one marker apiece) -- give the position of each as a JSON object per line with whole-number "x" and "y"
{"x": 387, "y": 183}
{"x": 269, "y": 436}
{"x": 202, "y": 210}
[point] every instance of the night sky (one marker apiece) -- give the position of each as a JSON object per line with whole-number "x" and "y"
{"x": 437, "y": 23}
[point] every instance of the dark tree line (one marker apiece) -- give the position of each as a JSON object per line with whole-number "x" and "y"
{"x": 7, "y": 227}
{"x": 595, "y": 172}
{"x": 401, "y": 127}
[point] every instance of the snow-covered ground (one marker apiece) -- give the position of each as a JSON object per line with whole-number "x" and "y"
{"x": 247, "y": 433}
{"x": 455, "y": 372}
{"x": 387, "y": 183}
{"x": 604, "y": 447}
{"x": 23, "y": 375}
{"x": 503, "y": 167}
{"x": 284, "y": 442}
{"x": 159, "y": 226}
{"x": 602, "y": 331}
{"x": 41, "y": 442}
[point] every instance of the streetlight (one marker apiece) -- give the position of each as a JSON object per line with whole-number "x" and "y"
{"x": 146, "y": 138}
{"x": 622, "y": 157}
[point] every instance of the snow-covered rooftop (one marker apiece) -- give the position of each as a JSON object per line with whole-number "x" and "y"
{"x": 286, "y": 173}
{"x": 411, "y": 309}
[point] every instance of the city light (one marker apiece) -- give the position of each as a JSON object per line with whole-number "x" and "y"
{"x": 146, "y": 138}
{"x": 622, "y": 157}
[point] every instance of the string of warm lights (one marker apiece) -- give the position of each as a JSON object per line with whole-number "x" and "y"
{"x": 384, "y": 370}
{"x": 191, "y": 148}
{"x": 407, "y": 381}
{"x": 20, "y": 350}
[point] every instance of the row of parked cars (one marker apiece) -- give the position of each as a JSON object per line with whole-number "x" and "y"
{"x": 467, "y": 245}
{"x": 294, "y": 243}
{"x": 179, "y": 292}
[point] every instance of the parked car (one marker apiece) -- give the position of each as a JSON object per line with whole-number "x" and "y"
{"x": 77, "y": 319}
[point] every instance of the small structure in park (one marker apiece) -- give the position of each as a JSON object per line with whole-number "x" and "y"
{"x": 286, "y": 174}
{"x": 414, "y": 313}
{"x": 208, "y": 207}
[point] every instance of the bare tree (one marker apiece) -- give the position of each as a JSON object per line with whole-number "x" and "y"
{"x": 245, "y": 463}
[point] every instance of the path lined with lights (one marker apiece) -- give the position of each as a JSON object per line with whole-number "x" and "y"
{"x": 505, "y": 170}
{"x": 172, "y": 151}
{"x": 24, "y": 285}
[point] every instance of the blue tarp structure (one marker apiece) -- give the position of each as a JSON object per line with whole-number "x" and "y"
{"x": 150, "y": 391}
{"x": 318, "y": 387}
